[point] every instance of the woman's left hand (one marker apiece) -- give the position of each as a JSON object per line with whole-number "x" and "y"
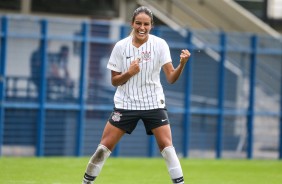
{"x": 184, "y": 56}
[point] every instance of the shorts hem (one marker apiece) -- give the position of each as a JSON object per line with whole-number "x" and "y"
{"x": 126, "y": 131}
{"x": 150, "y": 131}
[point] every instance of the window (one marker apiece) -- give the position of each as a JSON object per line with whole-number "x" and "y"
{"x": 257, "y": 7}
{"x": 274, "y": 9}
{"x": 10, "y": 5}
{"x": 93, "y": 8}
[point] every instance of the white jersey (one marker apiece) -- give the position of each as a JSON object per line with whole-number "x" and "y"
{"x": 143, "y": 91}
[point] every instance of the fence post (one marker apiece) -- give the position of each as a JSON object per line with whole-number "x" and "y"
{"x": 187, "y": 104}
{"x": 4, "y": 37}
{"x": 42, "y": 90}
{"x": 221, "y": 88}
{"x": 280, "y": 128}
{"x": 251, "y": 108}
{"x": 280, "y": 131}
{"x": 152, "y": 145}
{"x": 82, "y": 88}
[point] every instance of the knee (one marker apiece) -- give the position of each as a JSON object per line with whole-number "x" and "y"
{"x": 163, "y": 147}
{"x": 108, "y": 144}
{"x": 164, "y": 144}
{"x": 167, "y": 151}
{"x": 101, "y": 154}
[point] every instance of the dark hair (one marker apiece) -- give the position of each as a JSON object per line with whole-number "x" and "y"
{"x": 143, "y": 9}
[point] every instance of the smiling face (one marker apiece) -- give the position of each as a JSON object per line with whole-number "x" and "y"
{"x": 141, "y": 26}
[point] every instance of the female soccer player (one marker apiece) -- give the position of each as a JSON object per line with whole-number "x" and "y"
{"x": 135, "y": 65}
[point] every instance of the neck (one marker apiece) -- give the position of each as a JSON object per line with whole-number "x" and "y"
{"x": 137, "y": 42}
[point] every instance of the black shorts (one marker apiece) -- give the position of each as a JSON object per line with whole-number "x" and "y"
{"x": 127, "y": 119}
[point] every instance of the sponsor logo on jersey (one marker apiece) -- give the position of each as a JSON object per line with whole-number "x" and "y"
{"x": 112, "y": 64}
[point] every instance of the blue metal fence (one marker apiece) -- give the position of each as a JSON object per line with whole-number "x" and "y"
{"x": 212, "y": 107}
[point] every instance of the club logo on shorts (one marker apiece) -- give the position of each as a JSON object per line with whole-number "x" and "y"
{"x": 116, "y": 116}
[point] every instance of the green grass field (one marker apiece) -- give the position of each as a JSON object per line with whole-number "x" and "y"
{"x": 69, "y": 170}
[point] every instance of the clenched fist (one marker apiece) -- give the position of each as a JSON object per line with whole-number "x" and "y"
{"x": 184, "y": 56}
{"x": 134, "y": 67}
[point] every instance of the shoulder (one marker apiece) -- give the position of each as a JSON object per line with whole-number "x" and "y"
{"x": 120, "y": 46}
{"x": 159, "y": 43}
{"x": 157, "y": 39}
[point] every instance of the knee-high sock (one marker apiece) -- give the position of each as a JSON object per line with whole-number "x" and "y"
{"x": 95, "y": 164}
{"x": 173, "y": 164}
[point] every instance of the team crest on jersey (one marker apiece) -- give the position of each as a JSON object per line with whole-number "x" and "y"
{"x": 116, "y": 116}
{"x": 146, "y": 56}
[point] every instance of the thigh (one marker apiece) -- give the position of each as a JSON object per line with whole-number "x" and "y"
{"x": 111, "y": 136}
{"x": 163, "y": 136}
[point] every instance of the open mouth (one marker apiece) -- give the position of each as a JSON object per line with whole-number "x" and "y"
{"x": 141, "y": 33}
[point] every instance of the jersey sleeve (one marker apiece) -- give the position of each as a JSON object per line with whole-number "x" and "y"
{"x": 165, "y": 56}
{"x": 115, "y": 59}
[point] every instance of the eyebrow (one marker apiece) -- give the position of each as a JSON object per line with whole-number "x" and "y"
{"x": 142, "y": 21}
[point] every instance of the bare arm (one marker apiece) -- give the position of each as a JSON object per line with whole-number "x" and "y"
{"x": 171, "y": 73}
{"x": 119, "y": 78}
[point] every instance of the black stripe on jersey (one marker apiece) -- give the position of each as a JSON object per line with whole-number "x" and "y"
{"x": 127, "y": 67}
{"x": 146, "y": 78}
{"x": 147, "y": 90}
{"x": 133, "y": 78}
{"x": 143, "y": 79}
{"x": 123, "y": 68}
{"x": 155, "y": 64}
{"x": 137, "y": 79}
{"x": 151, "y": 79}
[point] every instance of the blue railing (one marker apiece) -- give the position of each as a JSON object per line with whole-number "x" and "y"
{"x": 87, "y": 85}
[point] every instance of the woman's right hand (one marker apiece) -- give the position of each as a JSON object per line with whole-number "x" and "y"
{"x": 134, "y": 67}
{"x": 119, "y": 78}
